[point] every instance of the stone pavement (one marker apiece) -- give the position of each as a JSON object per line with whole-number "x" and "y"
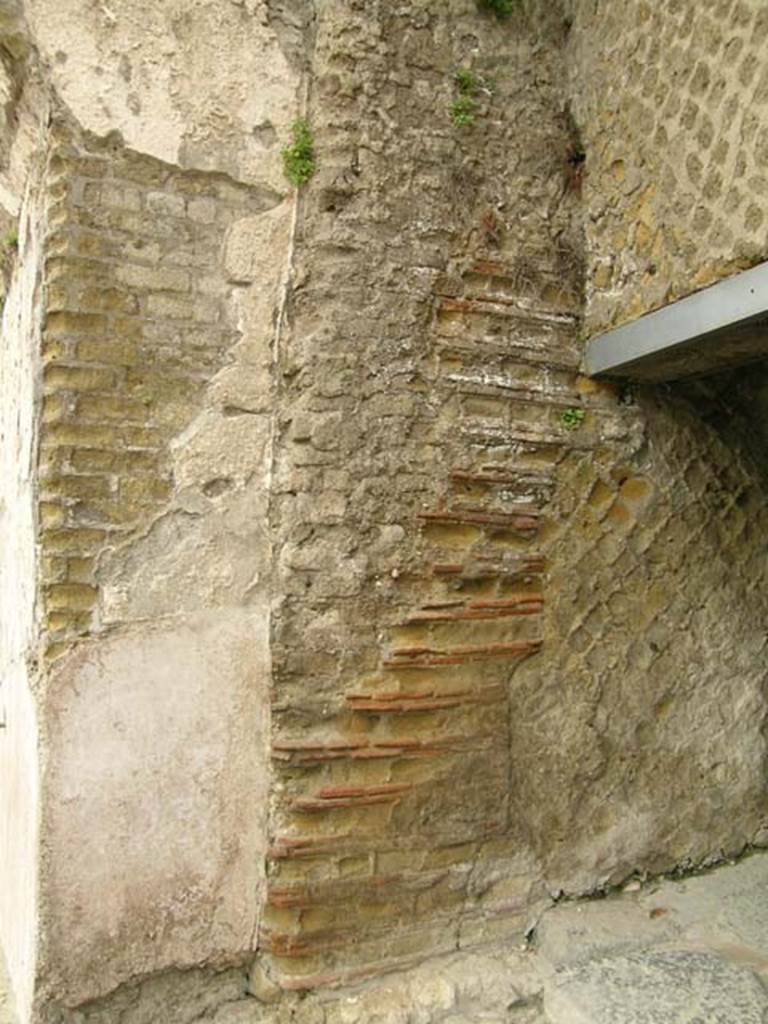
{"x": 688, "y": 951}
{"x": 677, "y": 952}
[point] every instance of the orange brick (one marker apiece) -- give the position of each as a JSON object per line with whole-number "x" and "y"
{"x": 73, "y": 597}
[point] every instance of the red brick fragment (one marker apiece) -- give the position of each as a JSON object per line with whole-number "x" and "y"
{"x": 412, "y": 658}
{"x": 491, "y": 268}
{"x": 527, "y": 520}
{"x": 331, "y": 792}
{"x": 313, "y": 804}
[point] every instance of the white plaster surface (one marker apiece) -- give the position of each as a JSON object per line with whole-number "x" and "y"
{"x": 19, "y": 784}
{"x": 155, "y": 802}
{"x": 202, "y": 83}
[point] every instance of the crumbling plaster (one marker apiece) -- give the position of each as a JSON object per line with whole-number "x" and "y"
{"x": 157, "y": 783}
{"x": 151, "y": 738}
{"x": 202, "y": 84}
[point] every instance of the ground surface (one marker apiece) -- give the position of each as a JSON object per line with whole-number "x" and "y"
{"x": 692, "y": 951}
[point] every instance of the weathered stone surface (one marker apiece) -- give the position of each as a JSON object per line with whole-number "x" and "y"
{"x": 261, "y": 986}
{"x": 19, "y": 767}
{"x": 7, "y": 1011}
{"x": 589, "y": 961}
{"x": 725, "y": 906}
{"x": 107, "y": 718}
{"x": 583, "y": 931}
{"x": 657, "y": 988}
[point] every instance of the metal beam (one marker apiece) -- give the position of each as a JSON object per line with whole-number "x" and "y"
{"x": 721, "y": 326}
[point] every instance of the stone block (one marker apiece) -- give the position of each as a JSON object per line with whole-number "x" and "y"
{"x": 73, "y": 597}
{"x": 78, "y": 378}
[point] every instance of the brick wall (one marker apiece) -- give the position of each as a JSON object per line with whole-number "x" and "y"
{"x": 153, "y": 456}
{"x": 427, "y": 363}
{"x": 138, "y": 321}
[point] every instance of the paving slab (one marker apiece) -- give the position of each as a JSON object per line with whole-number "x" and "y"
{"x": 687, "y": 951}
{"x": 729, "y": 904}
{"x": 657, "y": 987}
{"x": 574, "y": 933}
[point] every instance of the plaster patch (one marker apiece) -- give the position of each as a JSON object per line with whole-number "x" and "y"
{"x": 155, "y": 802}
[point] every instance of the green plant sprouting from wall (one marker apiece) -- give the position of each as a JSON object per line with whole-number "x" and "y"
{"x": 299, "y": 157}
{"x": 462, "y": 110}
{"x": 572, "y": 419}
{"x": 10, "y": 241}
{"x": 501, "y": 8}
{"x": 467, "y": 81}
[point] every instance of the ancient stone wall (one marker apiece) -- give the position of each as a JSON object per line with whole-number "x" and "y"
{"x": 24, "y": 225}
{"x": 670, "y": 107}
{"x": 140, "y": 319}
{"x": 394, "y": 756}
{"x": 155, "y": 292}
{"x": 424, "y": 366}
{"x": 368, "y": 624}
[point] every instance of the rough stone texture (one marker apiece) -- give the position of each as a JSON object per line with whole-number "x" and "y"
{"x": 671, "y": 107}
{"x": 656, "y": 594}
{"x": 143, "y": 329}
{"x": 691, "y": 950}
{"x": 154, "y": 452}
{"x": 659, "y": 986}
{"x": 204, "y": 84}
{"x": 319, "y": 477}
{"x": 427, "y": 358}
{"x": 7, "y": 1009}
{"x": 633, "y": 517}
{"x": 147, "y": 399}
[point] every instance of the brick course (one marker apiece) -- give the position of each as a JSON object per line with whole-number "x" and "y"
{"x": 129, "y": 345}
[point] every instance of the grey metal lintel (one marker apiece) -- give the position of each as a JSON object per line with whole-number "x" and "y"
{"x": 721, "y": 326}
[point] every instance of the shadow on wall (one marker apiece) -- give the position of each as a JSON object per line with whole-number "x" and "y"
{"x": 735, "y": 405}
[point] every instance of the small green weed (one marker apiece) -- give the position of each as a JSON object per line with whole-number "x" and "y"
{"x": 463, "y": 111}
{"x": 572, "y": 419}
{"x": 11, "y": 240}
{"x": 467, "y": 81}
{"x": 299, "y": 157}
{"x": 501, "y": 8}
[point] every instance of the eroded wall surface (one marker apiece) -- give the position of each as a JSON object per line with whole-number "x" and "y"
{"x": 431, "y": 791}
{"x": 24, "y": 223}
{"x": 426, "y": 359}
{"x": 140, "y": 514}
